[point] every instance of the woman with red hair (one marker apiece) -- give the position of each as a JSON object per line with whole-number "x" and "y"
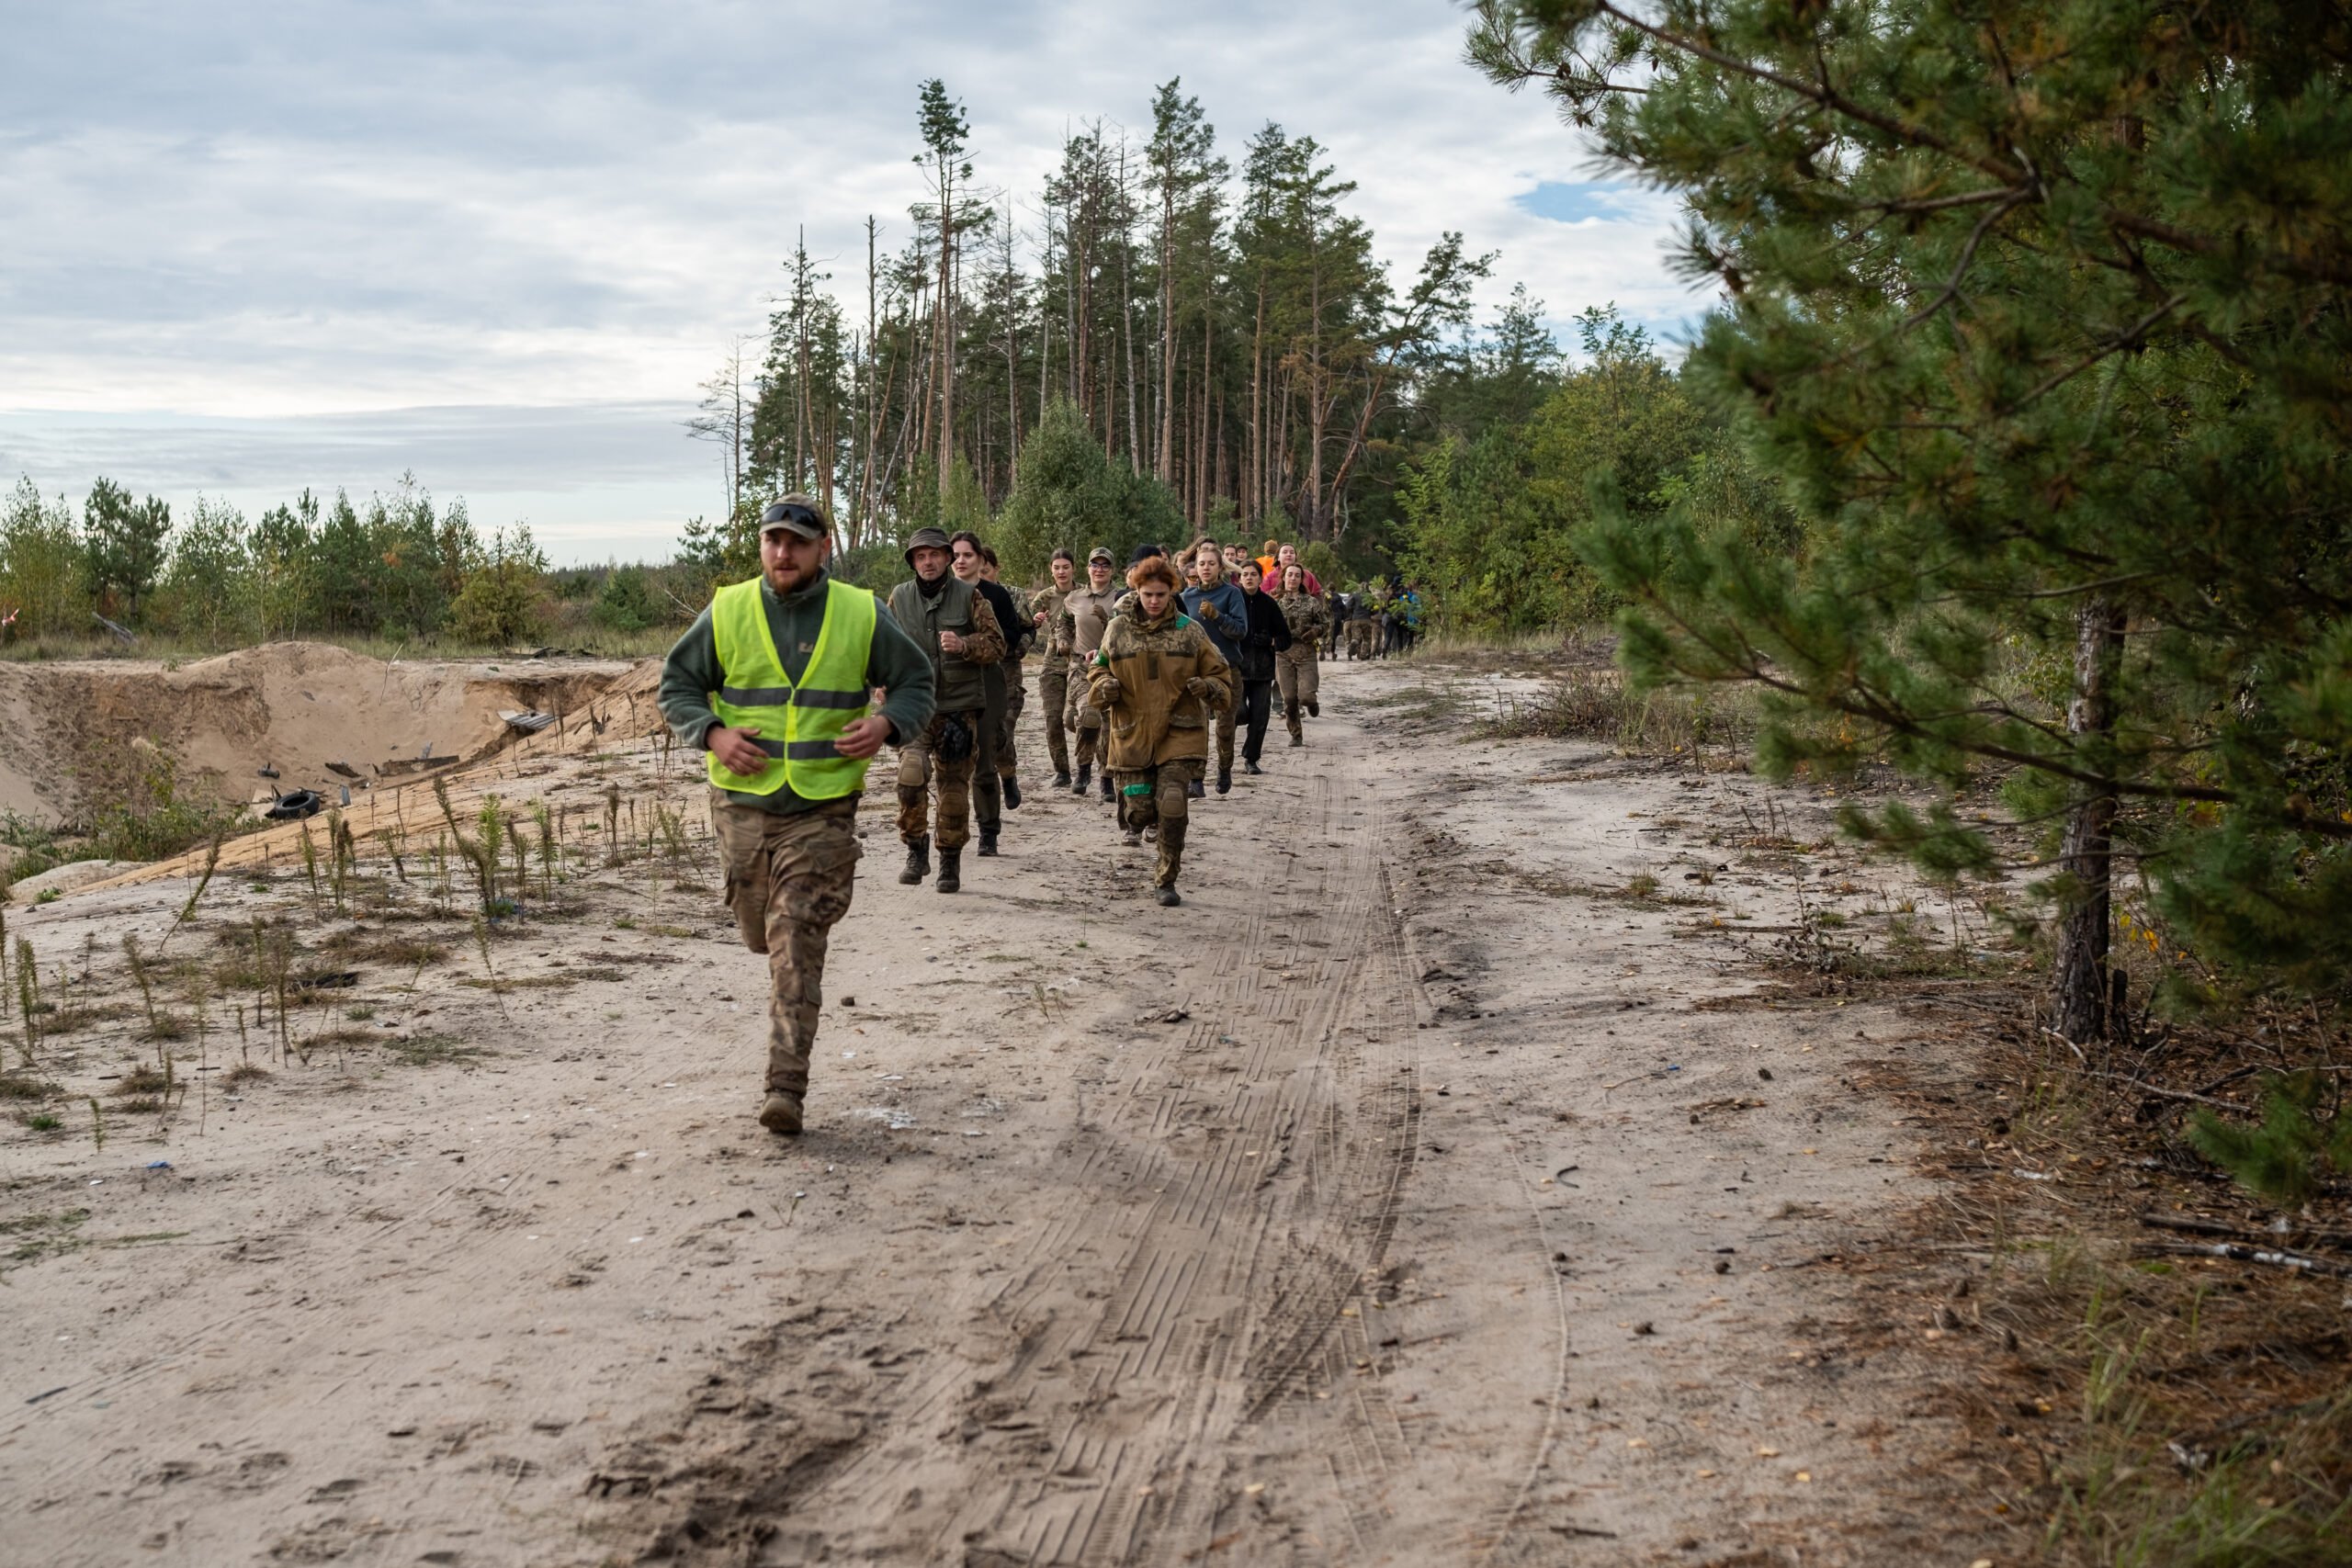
{"x": 1158, "y": 683}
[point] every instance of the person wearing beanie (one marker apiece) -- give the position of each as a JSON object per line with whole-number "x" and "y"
{"x": 1158, "y": 681}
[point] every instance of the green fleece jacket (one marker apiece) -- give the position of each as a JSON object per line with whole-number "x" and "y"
{"x": 691, "y": 673}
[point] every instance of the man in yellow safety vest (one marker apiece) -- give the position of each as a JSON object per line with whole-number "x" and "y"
{"x": 774, "y": 681}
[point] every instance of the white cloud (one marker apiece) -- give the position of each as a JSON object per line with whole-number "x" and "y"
{"x": 262, "y": 213}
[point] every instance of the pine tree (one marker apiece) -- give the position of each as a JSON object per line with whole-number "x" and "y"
{"x": 2039, "y": 310}
{"x": 124, "y": 543}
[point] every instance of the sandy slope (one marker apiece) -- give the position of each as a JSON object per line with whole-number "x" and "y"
{"x": 293, "y": 705}
{"x": 1452, "y": 1223}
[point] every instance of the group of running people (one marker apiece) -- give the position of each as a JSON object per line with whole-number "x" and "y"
{"x": 1139, "y": 669}
{"x": 794, "y": 680}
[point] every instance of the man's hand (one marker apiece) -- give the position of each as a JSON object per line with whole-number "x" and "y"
{"x": 951, "y": 642}
{"x": 864, "y": 737}
{"x": 1108, "y": 690}
{"x": 1208, "y": 611}
{"x": 1196, "y": 687}
{"x": 737, "y": 749}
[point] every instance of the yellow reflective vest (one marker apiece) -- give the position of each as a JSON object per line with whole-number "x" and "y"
{"x": 798, "y": 725}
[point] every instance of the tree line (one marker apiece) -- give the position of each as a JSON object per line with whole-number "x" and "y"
{"x": 395, "y": 567}
{"x": 1225, "y": 333}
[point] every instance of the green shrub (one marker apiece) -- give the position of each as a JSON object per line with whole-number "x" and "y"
{"x": 149, "y": 819}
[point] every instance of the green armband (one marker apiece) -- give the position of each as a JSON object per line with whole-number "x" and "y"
{"x": 1136, "y": 789}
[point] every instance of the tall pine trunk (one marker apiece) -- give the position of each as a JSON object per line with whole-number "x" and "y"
{"x": 2079, "y": 997}
{"x": 1256, "y": 499}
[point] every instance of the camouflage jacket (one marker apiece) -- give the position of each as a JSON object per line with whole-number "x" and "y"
{"x": 1153, "y": 719}
{"x": 1054, "y": 636}
{"x": 1307, "y": 615}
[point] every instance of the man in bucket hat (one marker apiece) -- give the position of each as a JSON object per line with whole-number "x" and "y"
{"x": 956, "y": 628}
{"x": 774, "y": 681}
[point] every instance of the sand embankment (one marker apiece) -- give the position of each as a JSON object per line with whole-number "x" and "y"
{"x": 294, "y": 706}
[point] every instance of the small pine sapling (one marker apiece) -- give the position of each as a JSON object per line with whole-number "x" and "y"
{"x": 196, "y": 894}
{"x": 29, "y": 996}
{"x": 520, "y": 851}
{"x": 138, "y": 976}
{"x": 336, "y": 833}
{"x": 310, "y": 865}
{"x": 546, "y": 825}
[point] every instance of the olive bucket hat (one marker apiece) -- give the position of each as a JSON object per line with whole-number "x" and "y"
{"x": 926, "y": 540}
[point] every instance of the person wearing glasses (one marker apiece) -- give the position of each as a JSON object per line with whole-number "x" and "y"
{"x": 774, "y": 681}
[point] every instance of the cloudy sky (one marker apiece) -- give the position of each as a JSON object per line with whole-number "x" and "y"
{"x": 257, "y": 246}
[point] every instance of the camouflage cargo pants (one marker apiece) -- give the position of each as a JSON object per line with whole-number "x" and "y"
{"x": 790, "y": 880}
{"x": 1053, "y": 695}
{"x": 1157, "y": 795}
{"x": 1360, "y": 639}
{"x": 1016, "y": 698}
{"x": 922, "y": 771}
{"x": 1298, "y": 678}
{"x": 1080, "y": 718}
{"x": 1225, "y": 733}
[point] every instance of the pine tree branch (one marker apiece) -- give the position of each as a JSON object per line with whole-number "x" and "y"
{"x": 1749, "y": 664}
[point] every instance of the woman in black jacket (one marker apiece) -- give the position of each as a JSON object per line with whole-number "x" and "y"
{"x": 1269, "y": 634}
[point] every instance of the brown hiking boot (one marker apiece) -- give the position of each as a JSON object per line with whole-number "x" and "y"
{"x": 781, "y": 1113}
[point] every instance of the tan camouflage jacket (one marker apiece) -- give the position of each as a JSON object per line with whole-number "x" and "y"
{"x": 1153, "y": 719}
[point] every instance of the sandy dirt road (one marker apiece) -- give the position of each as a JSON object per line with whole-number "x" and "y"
{"x": 1416, "y": 1193}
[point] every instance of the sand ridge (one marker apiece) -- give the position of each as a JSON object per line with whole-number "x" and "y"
{"x": 293, "y": 705}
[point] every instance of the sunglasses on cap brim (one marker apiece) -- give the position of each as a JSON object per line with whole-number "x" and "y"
{"x": 792, "y": 516}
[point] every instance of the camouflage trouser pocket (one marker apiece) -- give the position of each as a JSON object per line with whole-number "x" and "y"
{"x": 744, "y": 845}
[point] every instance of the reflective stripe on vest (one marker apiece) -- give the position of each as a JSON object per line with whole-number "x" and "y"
{"x": 798, "y": 725}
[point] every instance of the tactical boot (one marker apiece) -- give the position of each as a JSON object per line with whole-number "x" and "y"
{"x": 1225, "y": 780}
{"x": 987, "y": 843}
{"x": 1169, "y": 899}
{"x": 1295, "y": 740}
{"x": 781, "y": 1112}
{"x": 1011, "y": 795}
{"x": 951, "y": 870}
{"x": 917, "y": 862}
{"x": 1132, "y": 838}
{"x": 1247, "y": 767}
{"x": 1313, "y": 708}
{"x": 1106, "y": 783}
{"x": 1061, "y": 781}
{"x": 1085, "y": 779}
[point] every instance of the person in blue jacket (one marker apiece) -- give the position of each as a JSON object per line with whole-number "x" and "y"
{"x": 1219, "y": 608}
